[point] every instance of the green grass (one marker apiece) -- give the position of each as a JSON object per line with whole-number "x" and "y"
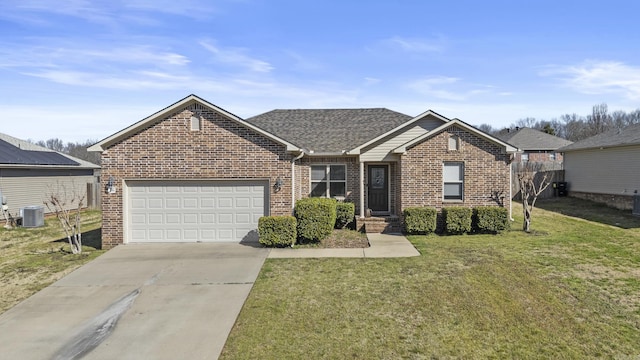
{"x": 569, "y": 290}
{"x": 33, "y": 258}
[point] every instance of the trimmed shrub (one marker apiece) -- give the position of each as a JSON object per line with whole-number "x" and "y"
{"x": 316, "y": 218}
{"x": 419, "y": 220}
{"x": 279, "y": 231}
{"x": 457, "y": 219}
{"x": 491, "y": 219}
{"x": 345, "y": 214}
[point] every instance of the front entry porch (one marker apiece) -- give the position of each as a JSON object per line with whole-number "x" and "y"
{"x": 377, "y": 207}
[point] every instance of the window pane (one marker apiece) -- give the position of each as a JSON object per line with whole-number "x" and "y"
{"x": 337, "y": 189}
{"x": 453, "y": 191}
{"x": 319, "y": 172}
{"x": 337, "y": 172}
{"x": 318, "y": 189}
{"x": 452, "y": 172}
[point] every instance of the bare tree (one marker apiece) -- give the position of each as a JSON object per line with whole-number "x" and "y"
{"x": 532, "y": 183}
{"x": 66, "y": 204}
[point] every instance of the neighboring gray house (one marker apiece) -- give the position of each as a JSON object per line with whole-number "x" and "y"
{"x": 536, "y": 146}
{"x": 28, "y": 172}
{"x": 606, "y": 167}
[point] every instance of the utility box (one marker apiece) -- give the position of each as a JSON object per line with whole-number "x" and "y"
{"x": 32, "y": 216}
{"x": 561, "y": 188}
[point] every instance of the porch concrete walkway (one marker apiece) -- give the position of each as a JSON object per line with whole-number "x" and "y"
{"x": 381, "y": 246}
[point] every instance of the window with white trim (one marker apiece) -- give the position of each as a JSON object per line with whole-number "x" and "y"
{"x": 524, "y": 157}
{"x": 328, "y": 180}
{"x": 453, "y": 178}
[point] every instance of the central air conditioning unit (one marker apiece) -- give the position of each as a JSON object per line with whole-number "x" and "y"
{"x": 32, "y": 216}
{"x": 636, "y": 205}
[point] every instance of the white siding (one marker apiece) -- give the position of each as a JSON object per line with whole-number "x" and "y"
{"x": 24, "y": 191}
{"x": 604, "y": 171}
{"x": 381, "y": 151}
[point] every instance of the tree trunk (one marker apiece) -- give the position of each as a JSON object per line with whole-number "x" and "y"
{"x": 526, "y": 226}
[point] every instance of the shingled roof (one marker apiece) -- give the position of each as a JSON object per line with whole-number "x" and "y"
{"x": 528, "y": 139}
{"x": 329, "y": 130}
{"x": 16, "y": 152}
{"x": 613, "y": 138}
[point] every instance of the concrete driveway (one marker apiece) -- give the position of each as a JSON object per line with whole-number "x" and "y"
{"x": 152, "y": 301}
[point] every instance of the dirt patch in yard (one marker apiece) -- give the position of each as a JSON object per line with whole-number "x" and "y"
{"x": 342, "y": 238}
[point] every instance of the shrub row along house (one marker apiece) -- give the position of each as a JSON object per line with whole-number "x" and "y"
{"x": 195, "y": 172}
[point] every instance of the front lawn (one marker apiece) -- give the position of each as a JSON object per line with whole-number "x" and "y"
{"x": 569, "y": 289}
{"x": 33, "y": 258}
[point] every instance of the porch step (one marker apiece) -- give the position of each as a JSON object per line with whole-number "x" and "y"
{"x": 382, "y": 225}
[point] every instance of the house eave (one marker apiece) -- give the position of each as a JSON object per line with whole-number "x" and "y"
{"x": 125, "y": 133}
{"x": 509, "y": 149}
{"x": 357, "y": 150}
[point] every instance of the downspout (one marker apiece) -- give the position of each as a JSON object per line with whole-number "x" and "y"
{"x": 511, "y": 157}
{"x": 293, "y": 179}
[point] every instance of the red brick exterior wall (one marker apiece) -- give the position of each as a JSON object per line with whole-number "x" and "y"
{"x": 486, "y": 169}
{"x": 303, "y": 173}
{"x": 540, "y": 156}
{"x": 169, "y": 149}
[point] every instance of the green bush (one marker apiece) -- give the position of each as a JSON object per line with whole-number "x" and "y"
{"x": 419, "y": 220}
{"x": 457, "y": 219}
{"x": 277, "y": 231}
{"x": 491, "y": 219}
{"x": 316, "y": 218}
{"x": 345, "y": 214}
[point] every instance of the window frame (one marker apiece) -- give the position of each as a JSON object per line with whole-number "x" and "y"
{"x": 328, "y": 181}
{"x": 459, "y": 182}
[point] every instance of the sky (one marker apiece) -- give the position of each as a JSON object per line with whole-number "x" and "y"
{"x": 85, "y": 69}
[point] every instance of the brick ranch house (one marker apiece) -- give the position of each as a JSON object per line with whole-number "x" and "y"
{"x": 195, "y": 172}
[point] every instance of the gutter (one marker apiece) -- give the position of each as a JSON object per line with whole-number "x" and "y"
{"x": 293, "y": 179}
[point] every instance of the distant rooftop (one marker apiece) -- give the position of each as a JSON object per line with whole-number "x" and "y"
{"x": 14, "y": 151}
{"x": 613, "y": 138}
{"x": 531, "y": 139}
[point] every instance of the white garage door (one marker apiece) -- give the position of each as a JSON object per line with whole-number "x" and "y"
{"x": 193, "y": 211}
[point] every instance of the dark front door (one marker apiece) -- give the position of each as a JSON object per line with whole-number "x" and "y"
{"x": 378, "y": 187}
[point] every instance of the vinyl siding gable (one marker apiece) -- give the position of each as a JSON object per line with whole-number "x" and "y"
{"x": 381, "y": 150}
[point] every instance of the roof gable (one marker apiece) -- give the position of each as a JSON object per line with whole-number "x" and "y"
{"x": 398, "y": 128}
{"x": 613, "y": 138}
{"x": 329, "y": 130}
{"x": 187, "y": 101}
{"x": 508, "y": 148}
{"x": 532, "y": 139}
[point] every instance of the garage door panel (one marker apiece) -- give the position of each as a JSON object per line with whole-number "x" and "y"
{"x": 194, "y": 211}
{"x": 225, "y": 202}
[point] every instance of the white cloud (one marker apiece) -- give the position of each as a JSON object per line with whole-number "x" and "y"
{"x": 416, "y": 45}
{"x": 448, "y": 88}
{"x": 599, "y": 77}
{"x": 237, "y": 57}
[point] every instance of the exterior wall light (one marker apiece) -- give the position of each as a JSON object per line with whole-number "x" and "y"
{"x": 111, "y": 185}
{"x": 277, "y": 186}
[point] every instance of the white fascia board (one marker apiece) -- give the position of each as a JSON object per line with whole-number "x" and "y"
{"x": 126, "y": 132}
{"x": 403, "y": 148}
{"x": 356, "y": 151}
